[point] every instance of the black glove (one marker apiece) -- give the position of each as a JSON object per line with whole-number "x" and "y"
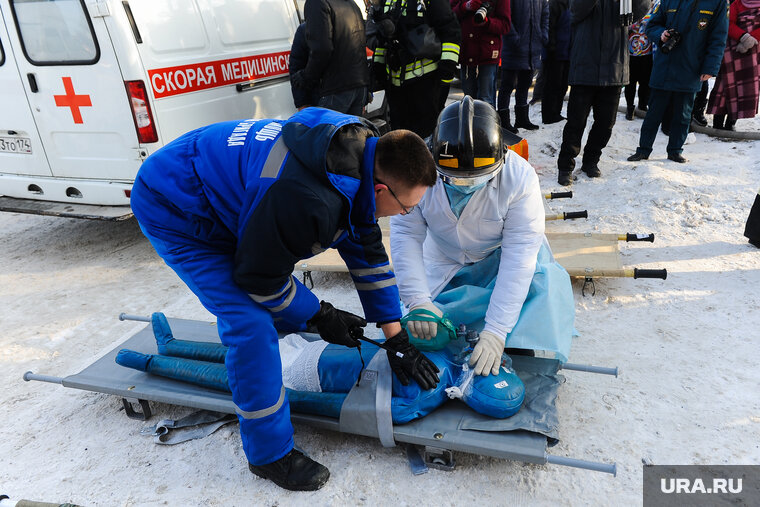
{"x": 413, "y": 363}
{"x": 448, "y": 69}
{"x": 336, "y": 326}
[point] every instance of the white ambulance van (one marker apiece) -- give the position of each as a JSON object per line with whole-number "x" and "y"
{"x": 90, "y": 88}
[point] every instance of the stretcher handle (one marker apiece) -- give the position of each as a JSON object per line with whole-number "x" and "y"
{"x": 650, "y": 273}
{"x": 638, "y": 237}
{"x": 608, "y": 468}
{"x": 30, "y": 375}
{"x": 125, "y": 316}
{"x": 559, "y": 195}
{"x": 604, "y": 370}
{"x": 572, "y": 215}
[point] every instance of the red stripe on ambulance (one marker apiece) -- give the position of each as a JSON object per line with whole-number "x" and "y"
{"x": 202, "y": 76}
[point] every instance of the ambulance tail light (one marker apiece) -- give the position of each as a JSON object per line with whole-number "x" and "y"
{"x": 141, "y": 113}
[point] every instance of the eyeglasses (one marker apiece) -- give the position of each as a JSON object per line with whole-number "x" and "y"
{"x": 406, "y": 209}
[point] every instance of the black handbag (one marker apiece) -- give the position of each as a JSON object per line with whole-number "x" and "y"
{"x": 422, "y": 42}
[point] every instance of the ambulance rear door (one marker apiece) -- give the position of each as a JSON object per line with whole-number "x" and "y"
{"x": 215, "y": 60}
{"x": 74, "y": 86}
{"x": 21, "y": 150}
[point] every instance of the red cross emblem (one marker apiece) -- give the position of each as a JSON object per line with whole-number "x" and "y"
{"x": 72, "y": 100}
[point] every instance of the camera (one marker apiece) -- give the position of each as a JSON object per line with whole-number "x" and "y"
{"x": 482, "y": 13}
{"x": 673, "y": 41}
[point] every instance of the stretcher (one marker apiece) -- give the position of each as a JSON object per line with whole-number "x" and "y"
{"x": 453, "y": 427}
{"x": 585, "y": 255}
{"x": 591, "y": 256}
{"x": 565, "y": 215}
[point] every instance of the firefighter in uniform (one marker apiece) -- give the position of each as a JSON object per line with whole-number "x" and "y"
{"x": 232, "y": 207}
{"x": 414, "y": 82}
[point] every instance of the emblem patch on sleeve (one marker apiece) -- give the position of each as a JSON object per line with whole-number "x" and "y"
{"x": 702, "y": 23}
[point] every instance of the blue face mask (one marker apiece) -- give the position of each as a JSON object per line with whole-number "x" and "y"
{"x": 464, "y": 190}
{"x": 459, "y": 196}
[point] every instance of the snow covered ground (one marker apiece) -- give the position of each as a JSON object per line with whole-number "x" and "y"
{"x": 687, "y": 349}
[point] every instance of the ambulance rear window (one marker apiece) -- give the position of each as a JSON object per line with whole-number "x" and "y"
{"x": 55, "y": 32}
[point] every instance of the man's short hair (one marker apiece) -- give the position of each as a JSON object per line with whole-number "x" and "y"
{"x": 402, "y": 156}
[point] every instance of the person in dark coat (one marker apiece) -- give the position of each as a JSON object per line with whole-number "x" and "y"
{"x": 337, "y": 63}
{"x": 299, "y": 56}
{"x": 521, "y": 51}
{"x": 678, "y": 74}
{"x": 556, "y": 65}
{"x": 483, "y": 24}
{"x": 598, "y": 72}
{"x": 413, "y": 83}
{"x": 752, "y": 228}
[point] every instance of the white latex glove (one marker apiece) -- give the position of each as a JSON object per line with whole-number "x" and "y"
{"x": 486, "y": 357}
{"x": 422, "y": 329}
{"x": 746, "y": 43}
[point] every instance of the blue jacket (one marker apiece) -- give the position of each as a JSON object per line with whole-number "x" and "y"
{"x": 704, "y": 27}
{"x": 522, "y": 46}
{"x": 270, "y": 212}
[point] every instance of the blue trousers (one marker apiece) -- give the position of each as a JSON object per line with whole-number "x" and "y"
{"x": 201, "y": 251}
{"x": 682, "y": 103}
{"x": 479, "y": 82}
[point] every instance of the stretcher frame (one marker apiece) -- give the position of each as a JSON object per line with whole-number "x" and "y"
{"x": 438, "y": 435}
{"x": 583, "y": 255}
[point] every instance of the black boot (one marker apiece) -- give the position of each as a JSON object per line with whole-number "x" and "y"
{"x": 294, "y": 471}
{"x": 506, "y": 124}
{"x": 698, "y": 113}
{"x": 521, "y": 118}
{"x": 718, "y": 121}
{"x": 698, "y": 117}
{"x": 591, "y": 170}
{"x": 565, "y": 178}
{"x": 629, "y": 113}
{"x": 729, "y": 125}
{"x": 639, "y": 155}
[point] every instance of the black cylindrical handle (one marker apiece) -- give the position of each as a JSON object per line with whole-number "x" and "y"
{"x": 561, "y": 195}
{"x": 572, "y": 215}
{"x": 650, "y": 273}
{"x": 640, "y": 237}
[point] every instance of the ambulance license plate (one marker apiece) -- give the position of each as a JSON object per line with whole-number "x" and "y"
{"x": 16, "y": 145}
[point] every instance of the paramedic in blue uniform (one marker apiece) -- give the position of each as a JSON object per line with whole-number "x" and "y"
{"x": 233, "y": 206}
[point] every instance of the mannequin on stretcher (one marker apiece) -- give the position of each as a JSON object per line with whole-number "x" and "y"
{"x": 318, "y": 375}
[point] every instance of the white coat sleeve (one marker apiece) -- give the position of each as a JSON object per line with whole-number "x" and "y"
{"x": 522, "y": 236}
{"x": 407, "y": 236}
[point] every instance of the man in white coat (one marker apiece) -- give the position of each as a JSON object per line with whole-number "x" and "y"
{"x": 474, "y": 246}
